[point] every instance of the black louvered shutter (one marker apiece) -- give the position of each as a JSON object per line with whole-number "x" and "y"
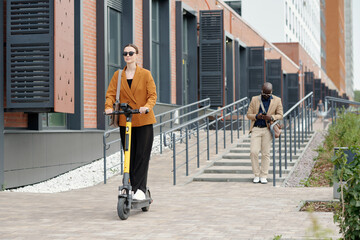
{"x": 274, "y": 75}
{"x": 115, "y": 4}
{"x": 317, "y": 91}
{"x": 255, "y": 70}
{"x": 323, "y": 92}
{"x": 292, "y": 89}
{"x": 211, "y": 53}
{"x": 30, "y": 54}
{"x": 309, "y": 82}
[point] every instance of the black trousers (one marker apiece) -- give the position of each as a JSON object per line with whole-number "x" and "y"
{"x": 141, "y": 144}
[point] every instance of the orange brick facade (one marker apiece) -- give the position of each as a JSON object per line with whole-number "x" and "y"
{"x": 335, "y": 43}
{"x": 89, "y": 58}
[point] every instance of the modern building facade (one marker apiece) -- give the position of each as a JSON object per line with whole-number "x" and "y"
{"x": 349, "y": 78}
{"x": 55, "y": 88}
{"x": 335, "y": 43}
{"x": 287, "y": 21}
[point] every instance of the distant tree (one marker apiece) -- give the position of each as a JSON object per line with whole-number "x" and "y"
{"x": 357, "y": 95}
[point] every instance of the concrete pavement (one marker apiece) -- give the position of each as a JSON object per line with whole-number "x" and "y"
{"x": 198, "y": 210}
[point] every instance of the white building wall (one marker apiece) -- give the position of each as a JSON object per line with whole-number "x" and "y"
{"x": 266, "y": 17}
{"x": 287, "y": 21}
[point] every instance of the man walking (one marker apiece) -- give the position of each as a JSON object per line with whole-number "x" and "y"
{"x": 263, "y": 109}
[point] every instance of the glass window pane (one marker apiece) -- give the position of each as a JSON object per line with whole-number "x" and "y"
{"x": 56, "y": 120}
{"x": 114, "y": 37}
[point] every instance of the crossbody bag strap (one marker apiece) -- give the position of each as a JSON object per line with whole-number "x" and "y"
{"x": 262, "y": 105}
{"x": 118, "y": 86}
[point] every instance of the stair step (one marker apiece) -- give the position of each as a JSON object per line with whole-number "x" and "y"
{"x": 247, "y": 145}
{"x": 238, "y": 170}
{"x": 247, "y": 156}
{"x": 247, "y": 150}
{"x": 247, "y": 162}
{"x": 231, "y": 178}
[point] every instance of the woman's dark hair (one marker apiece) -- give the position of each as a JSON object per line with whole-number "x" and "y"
{"x": 133, "y": 46}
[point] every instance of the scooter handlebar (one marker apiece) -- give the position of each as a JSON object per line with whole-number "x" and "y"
{"x": 132, "y": 111}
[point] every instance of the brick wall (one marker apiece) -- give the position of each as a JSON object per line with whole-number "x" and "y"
{"x": 89, "y": 58}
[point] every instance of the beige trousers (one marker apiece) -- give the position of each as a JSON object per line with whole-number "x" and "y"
{"x": 261, "y": 140}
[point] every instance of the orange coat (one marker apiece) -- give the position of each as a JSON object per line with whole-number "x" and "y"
{"x": 141, "y": 94}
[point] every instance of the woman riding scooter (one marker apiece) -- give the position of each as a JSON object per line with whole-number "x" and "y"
{"x": 137, "y": 89}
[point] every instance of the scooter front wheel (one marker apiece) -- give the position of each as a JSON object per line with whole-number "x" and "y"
{"x": 123, "y": 212}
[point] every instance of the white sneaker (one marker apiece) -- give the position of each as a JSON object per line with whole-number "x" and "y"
{"x": 256, "y": 180}
{"x": 263, "y": 180}
{"x": 139, "y": 195}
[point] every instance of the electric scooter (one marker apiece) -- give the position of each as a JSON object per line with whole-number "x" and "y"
{"x": 125, "y": 200}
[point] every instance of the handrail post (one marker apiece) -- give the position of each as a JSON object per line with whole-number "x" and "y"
{"x": 161, "y": 135}
{"x": 198, "y": 143}
{"x": 302, "y": 123}
{"x": 174, "y": 158}
{"x": 299, "y": 127}
{"x": 208, "y": 138}
{"x": 237, "y": 119}
{"x": 306, "y": 119}
{"x": 285, "y": 138}
{"x": 231, "y": 122}
{"x": 216, "y": 134}
{"x": 104, "y": 163}
{"x": 312, "y": 110}
{"x": 332, "y": 112}
{"x": 294, "y": 131}
{"x": 274, "y": 163}
{"x": 290, "y": 137}
{"x": 280, "y": 172}
{"x": 224, "y": 128}
{"x": 243, "y": 117}
{"x": 187, "y": 152}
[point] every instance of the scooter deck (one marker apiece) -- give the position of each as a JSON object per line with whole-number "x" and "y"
{"x": 136, "y": 204}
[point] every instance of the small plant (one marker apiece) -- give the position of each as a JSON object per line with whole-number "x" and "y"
{"x": 277, "y": 237}
{"x": 348, "y": 174}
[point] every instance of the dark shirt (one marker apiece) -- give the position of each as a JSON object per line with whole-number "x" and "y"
{"x": 129, "y": 82}
{"x": 266, "y": 103}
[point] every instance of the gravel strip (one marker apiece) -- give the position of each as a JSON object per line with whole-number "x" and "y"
{"x": 305, "y": 164}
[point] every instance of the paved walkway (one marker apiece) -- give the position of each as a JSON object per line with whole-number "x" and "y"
{"x": 199, "y": 210}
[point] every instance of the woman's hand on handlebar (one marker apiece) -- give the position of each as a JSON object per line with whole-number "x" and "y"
{"x": 143, "y": 110}
{"x": 108, "y": 110}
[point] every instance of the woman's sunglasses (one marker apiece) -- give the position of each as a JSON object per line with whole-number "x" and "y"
{"x": 131, "y": 53}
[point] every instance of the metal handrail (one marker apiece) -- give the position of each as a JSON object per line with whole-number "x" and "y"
{"x": 333, "y": 101}
{"x": 306, "y": 114}
{"x": 106, "y": 145}
{"x": 220, "y": 114}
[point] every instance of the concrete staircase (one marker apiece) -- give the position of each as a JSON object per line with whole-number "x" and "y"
{"x": 235, "y": 166}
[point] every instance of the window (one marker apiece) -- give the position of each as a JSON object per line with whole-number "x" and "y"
{"x": 290, "y": 18}
{"x": 114, "y": 41}
{"x": 286, "y": 14}
{"x": 53, "y": 120}
{"x": 155, "y": 35}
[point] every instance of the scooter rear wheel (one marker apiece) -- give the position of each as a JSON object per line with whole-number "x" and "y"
{"x": 123, "y": 212}
{"x": 148, "y": 195}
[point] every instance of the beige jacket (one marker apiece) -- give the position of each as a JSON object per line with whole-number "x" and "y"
{"x": 275, "y": 109}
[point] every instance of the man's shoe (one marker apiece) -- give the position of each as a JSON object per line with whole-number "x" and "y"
{"x": 256, "y": 180}
{"x": 139, "y": 195}
{"x": 263, "y": 180}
